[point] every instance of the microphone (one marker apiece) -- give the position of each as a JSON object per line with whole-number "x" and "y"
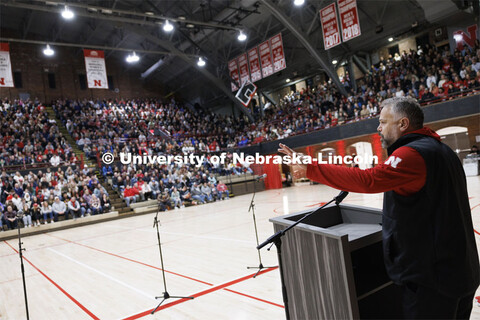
{"x": 340, "y": 197}
{"x": 263, "y": 176}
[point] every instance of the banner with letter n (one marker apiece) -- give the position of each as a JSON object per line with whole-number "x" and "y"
{"x": 96, "y": 69}
{"x": 6, "y": 78}
{"x": 234, "y": 75}
{"x": 246, "y": 93}
{"x": 276, "y": 45}
{"x": 330, "y": 28}
{"x": 254, "y": 62}
{"x": 349, "y": 19}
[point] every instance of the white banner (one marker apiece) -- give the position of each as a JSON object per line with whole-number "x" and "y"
{"x": 6, "y": 78}
{"x": 96, "y": 69}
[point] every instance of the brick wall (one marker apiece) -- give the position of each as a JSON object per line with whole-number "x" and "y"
{"x": 67, "y": 64}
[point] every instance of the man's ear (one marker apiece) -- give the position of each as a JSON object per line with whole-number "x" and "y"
{"x": 404, "y": 124}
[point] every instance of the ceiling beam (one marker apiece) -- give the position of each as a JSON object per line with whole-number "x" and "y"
{"x": 213, "y": 79}
{"x": 287, "y": 22}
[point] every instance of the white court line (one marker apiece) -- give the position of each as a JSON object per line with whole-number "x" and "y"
{"x": 252, "y": 242}
{"x": 150, "y": 296}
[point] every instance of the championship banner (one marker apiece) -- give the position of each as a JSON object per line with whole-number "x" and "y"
{"x": 330, "y": 29}
{"x": 6, "y": 78}
{"x": 266, "y": 59}
{"x": 96, "y": 69}
{"x": 349, "y": 19}
{"x": 233, "y": 68}
{"x": 276, "y": 44}
{"x": 254, "y": 63}
{"x": 243, "y": 67}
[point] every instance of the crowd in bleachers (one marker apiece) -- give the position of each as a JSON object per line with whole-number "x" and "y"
{"x": 47, "y": 195}
{"x": 150, "y": 126}
{"x": 28, "y": 136}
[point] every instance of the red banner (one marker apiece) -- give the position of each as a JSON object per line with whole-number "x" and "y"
{"x": 254, "y": 63}
{"x": 330, "y": 29}
{"x": 266, "y": 59}
{"x": 233, "y": 68}
{"x": 276, "y": 44}
{"x": 6, "y": 78}
{"x": 349, "y": 19}
{"x": 243, "y": 67}
{"x": 96, "y": 69}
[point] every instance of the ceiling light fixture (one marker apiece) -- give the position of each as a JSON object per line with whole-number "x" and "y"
{"x": 167, "y": 27}
{"x": 201, "y": 62}
{"x": 242, "y": 36}
{"x": 390, "y": 39}
{"x": 67, "y": 14}
{"x": 287, "y": 80}
{"x": 334, "y": 62}
{"x": 48, "y": 51}
{"x": 298, "y": 3}
{"x": 132, "y": 58}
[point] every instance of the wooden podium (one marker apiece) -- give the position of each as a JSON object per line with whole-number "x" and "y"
{"x": 333, "y": 265}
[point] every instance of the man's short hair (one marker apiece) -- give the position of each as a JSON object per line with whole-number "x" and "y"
{"x": 406, "y": 107}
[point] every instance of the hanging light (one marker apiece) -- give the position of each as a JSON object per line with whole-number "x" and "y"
{"x": 390, "y": 39}
{"x": 67, "y": 14}
{"x": 48, "y": 51}
{"x": 242, "y": 36}
{"x": 298, "y": 3}
{"x": 334, "y": 62}
{"x": 167, "y": 27}
{"x": 201, "y": 62}
{"x": 132, "y": 58}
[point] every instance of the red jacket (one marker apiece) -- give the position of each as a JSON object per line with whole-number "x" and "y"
{"x": 404, "y": 172}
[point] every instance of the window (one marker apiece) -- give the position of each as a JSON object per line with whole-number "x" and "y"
{"x": 82, "y": 79}
{"x": 17, "y": 79}
{"x": 51, "y": 81}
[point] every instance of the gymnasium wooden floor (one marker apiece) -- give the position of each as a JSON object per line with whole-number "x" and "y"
{"x": 111, "y": 270}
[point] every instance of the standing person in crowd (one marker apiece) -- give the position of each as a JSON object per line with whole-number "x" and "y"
{"x": 428, "y": 240}
{"x": 27, "y": 214}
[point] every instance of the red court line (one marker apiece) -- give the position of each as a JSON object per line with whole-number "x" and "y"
{"x": 199, "y": 294}
{"x": 131, "y": 260}
{"x": 255, "y": 298}
{"x": 56, "y": 285}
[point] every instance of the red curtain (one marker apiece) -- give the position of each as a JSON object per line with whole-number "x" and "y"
{"x": 274, "y": 177}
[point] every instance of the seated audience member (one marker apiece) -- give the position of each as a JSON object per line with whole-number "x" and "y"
{"x": 105, "y": 203}
{"x": 74, "y": 209}
{"x": 10, "y": 216}
{"x": 27, "y": 214}
{"x": 222, "y": 190}
{"x": 95, "y": 205}
{"x": 207, "y": 191}
{"x": 197, "y": 193}
{"x": 129, "y": 194}
{"x": 176, "y": 198}
{"x": 58, "y": 208}
{"x": 46, "y": 209}
{"x": 164, "y": 201}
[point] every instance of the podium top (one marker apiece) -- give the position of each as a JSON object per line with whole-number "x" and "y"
{"x": 361, "y": 225}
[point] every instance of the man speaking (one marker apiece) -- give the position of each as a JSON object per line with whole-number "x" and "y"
{"x": 428, "y": 240}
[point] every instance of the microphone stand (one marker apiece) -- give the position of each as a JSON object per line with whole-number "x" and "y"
{"x": 276, "y": 240}
{"x": 20, "y": 250}
{"x": 165, "y": 295}
{"x": 252, "y": 208}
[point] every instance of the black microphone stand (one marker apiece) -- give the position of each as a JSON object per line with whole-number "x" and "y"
{"x": 165, "y": 295}
{"x": 276, "y": 240}
{"x": 20, "y": 250}
{"x": 252, "y": 208}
